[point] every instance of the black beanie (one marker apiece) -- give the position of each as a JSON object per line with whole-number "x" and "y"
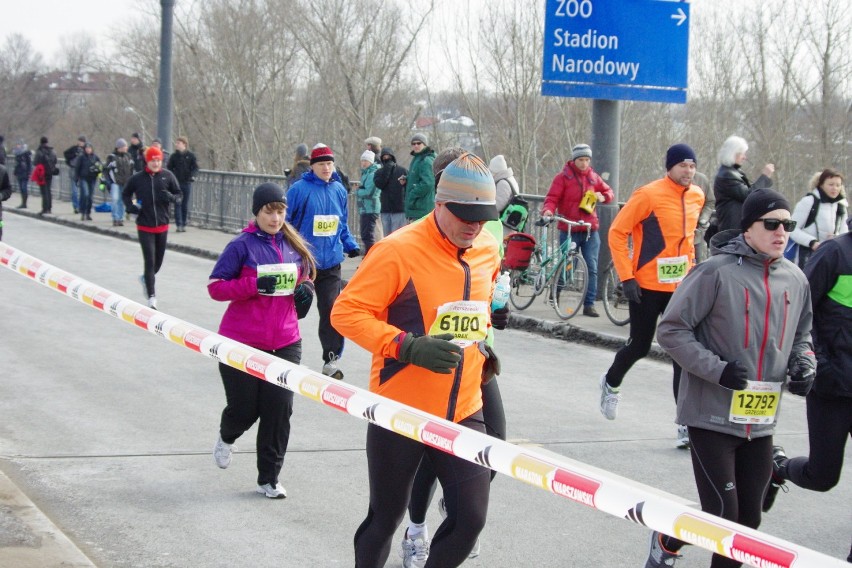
{"x": 760, "y": 202}
{"x": 267, "y": 193}
{"x": 679, "y": 153}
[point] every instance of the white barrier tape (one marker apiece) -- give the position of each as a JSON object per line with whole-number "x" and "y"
{"x": 589, "y": 486}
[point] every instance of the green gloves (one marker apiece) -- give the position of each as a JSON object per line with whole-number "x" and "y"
{"x": 437, "y": 354}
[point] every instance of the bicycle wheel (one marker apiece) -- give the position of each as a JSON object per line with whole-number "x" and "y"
{"x": 569, "y": 285}
{"x": 522, "y": 291}
{"x": 615, "y": 304}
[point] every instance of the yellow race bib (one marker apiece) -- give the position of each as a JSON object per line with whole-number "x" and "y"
{"x": 325, "y": 225}
{"x": 757, "y": 404}
{"x": 466, "y": 320}
{"x": 672, "y": 269}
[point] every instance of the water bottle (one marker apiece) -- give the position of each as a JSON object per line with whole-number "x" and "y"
{"x": 501, "y": 292}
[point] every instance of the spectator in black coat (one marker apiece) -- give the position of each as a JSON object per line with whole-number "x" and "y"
{"x": 88, "y": 169}
{"x": 731, "y": 186}
{"x": 46, "y": 158}
{"x": 185, "y": 167}
{"x": 389, "y": 179}
{"x": 23, "y": 170}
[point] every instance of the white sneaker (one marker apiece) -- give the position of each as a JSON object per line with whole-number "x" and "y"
{"x": 477, "y": 546}
{"x": 330, "y": 369}
{"x": 222, "y": 453}
{"x": 682, "y": 438}
{"x": 152, "y": 302}
{"x": 414, "y": 553}
{"x": 610, "y": 398}
{"x": 276, "y": 491}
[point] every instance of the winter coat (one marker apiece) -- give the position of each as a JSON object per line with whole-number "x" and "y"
{"x": 737, "y": 305}
{"x": 156, "y": 192}
{"x": 23, "y": 162}
{"x": 824, "y": 226}
{"x": 5, "y": 190}
{"x": 566, "y": 191}
{"x": 137, "y": 154}
{"x": 119, "y": 167}
{"x": 368, "y": 195}
{"x": 310, "y": 199}
{"x": 829, "y": 272}
{"x": 88, "y": 167}
{"x": 299, "y": 169}
{"x": 387, "y": 180}
{"x": 46, "y": 157}
{"x": 71, "y": 154}
{"x": 262, "y": 322}
{"x": 183, "y": 165}
{"x": 731, "y": 187}
{"x": 505, "y": 183}
{"x": 420, "y": 185}
{"x": 661, "y": 218}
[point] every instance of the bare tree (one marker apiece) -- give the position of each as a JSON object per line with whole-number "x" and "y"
{"x": 28, "y": 107}
{"x": 77, "y": 51}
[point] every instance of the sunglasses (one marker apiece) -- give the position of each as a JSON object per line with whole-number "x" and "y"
{"x": 772, "y": 224}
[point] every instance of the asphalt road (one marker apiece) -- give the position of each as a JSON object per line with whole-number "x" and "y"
{"x": 108, "y": 430}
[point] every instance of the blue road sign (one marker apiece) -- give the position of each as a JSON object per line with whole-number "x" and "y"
{"x": 616, "y": 49}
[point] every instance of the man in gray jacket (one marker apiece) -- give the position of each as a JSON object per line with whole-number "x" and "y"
{"x": 738, "y": 325}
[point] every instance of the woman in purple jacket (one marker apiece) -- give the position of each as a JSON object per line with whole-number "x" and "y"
{"x": 266, "y": 274}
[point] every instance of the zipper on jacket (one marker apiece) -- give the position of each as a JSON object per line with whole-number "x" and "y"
{"x": 765, "y": 333}
{"x": 747, "y": 310}
{"x": 454, "y": 390}
{"x": 784, "y": 321}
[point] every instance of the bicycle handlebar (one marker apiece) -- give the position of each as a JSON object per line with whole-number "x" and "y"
{"x": 547, "y": 221}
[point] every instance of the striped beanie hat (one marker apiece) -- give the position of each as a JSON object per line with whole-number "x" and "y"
{"x": 321, "y": 153}
{"x": 467, "y": 187}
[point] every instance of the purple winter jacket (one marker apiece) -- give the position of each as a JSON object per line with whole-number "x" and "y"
{"x": 262, "y": 322}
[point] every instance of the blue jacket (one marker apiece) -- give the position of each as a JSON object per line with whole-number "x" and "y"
{"x": 369, "y": 196}
{"x": 310, "y": 197}
{"x": 263, "y": 322}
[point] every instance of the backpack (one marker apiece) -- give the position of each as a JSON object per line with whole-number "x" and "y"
{"x": 515, "y": 214}
{"x": 518, "y": 250}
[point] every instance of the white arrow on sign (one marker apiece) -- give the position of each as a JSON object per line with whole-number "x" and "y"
{"x": 680, "y": 16}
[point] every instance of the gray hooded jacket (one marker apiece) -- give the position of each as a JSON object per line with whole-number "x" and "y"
{"x": 737, "y": 305}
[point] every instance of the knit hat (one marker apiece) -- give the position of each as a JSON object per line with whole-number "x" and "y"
{"x": 43, "y": 140}
{"x": 467, "y": 188}
{"x": 368, "y": 156}
{"x": 152, "y": 153}
{"x": 374, "y": 141}
{"x": 302, "y": 151}
{"x": 498, "y": 164}
{"x": 136, "y": 135}
{"x": 321, "y": 153}
{"x": 679, "y": 153}
{"x": 267, "y": 193}
{"x": 760, "y": 202}
{"x": 157, "y": 141}
{"x": 420, "y": 138}
{"x": 581, "y": 151}
{"x": 121, "y": 142}
{"x": 81, "y": 139}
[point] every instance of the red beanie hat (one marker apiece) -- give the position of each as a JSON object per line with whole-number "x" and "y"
{"x": 321, "y": 153}
{"x": 152, "y": 153}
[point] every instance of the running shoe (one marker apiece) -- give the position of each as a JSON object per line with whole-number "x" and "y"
{"x": 659, "y": 557}
{"x": 414, "y": 552}
{"x": 331, "y": 369}
{"x": 776, "y": 481}
{"x": 152, "y": 302}
{"x": 477, "y": 546}
{"x": 610, "y": 398}
{"x": 276, "y": 491}
{"x": 682, "y": 438}
{"x": 222, "y": 453}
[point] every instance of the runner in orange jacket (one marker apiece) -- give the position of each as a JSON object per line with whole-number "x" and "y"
{"x": 420, "y": 302}
{"x": 661, "y": 218}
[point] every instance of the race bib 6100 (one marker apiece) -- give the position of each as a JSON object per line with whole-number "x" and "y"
{"x": 466, "y": 320}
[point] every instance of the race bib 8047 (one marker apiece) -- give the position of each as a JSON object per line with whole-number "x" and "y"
{"x": 325, "y": 225}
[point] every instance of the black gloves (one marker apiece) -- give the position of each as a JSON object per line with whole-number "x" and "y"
{"x": 304, "y": 297}
{"x": 133, "y": 209}
{"x": 500, "y": 318}
{"x": 734, "y": 376}
{"x": 632, "y": 291}
{"x": 437, "y": 354}
{"x": 491, "y": 367}
{"x": 801, "y": 382}
{"x": 354, "y": 253}
{"x": 266, "y": 284}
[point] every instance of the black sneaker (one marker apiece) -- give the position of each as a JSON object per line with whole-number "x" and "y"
{"x": 590, "y": 311}
{"x": 777, "y": 481}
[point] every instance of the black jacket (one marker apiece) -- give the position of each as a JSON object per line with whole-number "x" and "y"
{"x": 829, "y": 272}
{"x": 24, "y": 164}
{"x": 87, "y": 167}
{"x": 386, "y": 178}
{"x": 155, "y": 192}
{"x": 183, "y": 165}
{"x": 731, "y": 187}
{"x": 47, "y": 158}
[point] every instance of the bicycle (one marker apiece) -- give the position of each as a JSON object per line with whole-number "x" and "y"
{"x": 562, "y": 271}
{"x": 616, "y": 305}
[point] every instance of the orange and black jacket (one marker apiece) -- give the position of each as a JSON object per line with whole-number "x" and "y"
{"x": 661, "y": 217}
{"x": 396, "y": 290}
